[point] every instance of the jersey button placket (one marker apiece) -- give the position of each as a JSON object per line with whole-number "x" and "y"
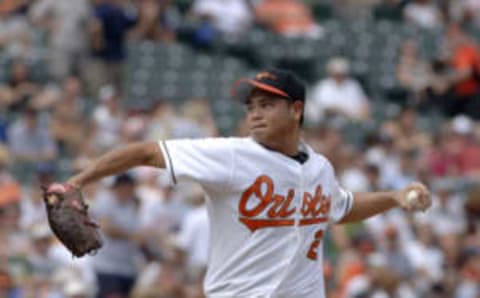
{"x": 292, "y": 253}
{"x": 298, "y": 201}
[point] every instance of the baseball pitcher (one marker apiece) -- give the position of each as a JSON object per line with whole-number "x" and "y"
{"x": 271, "y": 198}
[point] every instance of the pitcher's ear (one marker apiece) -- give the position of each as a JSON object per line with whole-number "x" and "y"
{"x": 298, "y": 107}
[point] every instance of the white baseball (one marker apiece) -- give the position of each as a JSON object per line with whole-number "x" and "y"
{"x": 412, "y": 197}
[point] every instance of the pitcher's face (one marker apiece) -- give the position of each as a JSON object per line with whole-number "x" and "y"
{"x": 270, "y": 117}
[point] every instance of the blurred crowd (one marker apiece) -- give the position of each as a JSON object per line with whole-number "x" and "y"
{"x": 156, "y": 237}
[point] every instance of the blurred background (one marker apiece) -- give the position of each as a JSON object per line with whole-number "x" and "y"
{"x": 393, "y": 97}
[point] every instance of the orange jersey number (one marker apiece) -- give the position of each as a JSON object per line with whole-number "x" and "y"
{"x": 312, "y": 252}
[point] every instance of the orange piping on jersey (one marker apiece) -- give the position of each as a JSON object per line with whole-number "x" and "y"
{"x": 255, "y": 224}
{"x": 312, "y": 221}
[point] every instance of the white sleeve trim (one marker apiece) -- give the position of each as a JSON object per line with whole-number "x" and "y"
{"x": 168, "y": 161}
{"x": 350, "y": 202}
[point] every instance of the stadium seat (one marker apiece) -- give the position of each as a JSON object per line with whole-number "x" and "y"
{"x": 387, "y": 12}
{"x": 371, "y": 46}
{"x": 322, "y": 11}
{"x": 183, "y": 5}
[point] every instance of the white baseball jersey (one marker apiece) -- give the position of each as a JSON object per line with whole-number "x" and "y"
{"x": 267, "y": 211}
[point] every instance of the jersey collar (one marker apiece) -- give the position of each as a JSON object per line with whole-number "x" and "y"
{"x": 304, "y": 152}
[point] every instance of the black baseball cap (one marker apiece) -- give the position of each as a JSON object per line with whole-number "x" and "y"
{"x": 276, "y": 81}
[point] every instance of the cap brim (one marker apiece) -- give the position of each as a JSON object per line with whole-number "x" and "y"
{"x": 242, "y": 88}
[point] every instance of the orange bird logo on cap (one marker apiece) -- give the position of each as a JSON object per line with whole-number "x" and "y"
{"x": 265, "y": 75}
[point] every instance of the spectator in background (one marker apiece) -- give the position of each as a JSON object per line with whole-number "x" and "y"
{"x": 43, "y": 265}
{"x": 393, "y": 173}
{"x": 170, "y": 16}
{"x": 9, "y": 200}
{"x": 340, "y": 94}
{"x": 199, "y": 112}
{"x": 288, "y": 18}
{"x": 118, "y": 213}
{"x": 350, "y": 271}
{"x": 423, "y": 13}
{"x": 372, "y": 174}
{"x": 229, "y": 17}
{"x": 169, "y": 216}
{"x": 151, "y": 23}
{"x": 65, "y": 21}
{"x": 76, "y": 289}
{"x": 468, "y": 286}
{"x": 350, "y": 170}
{"x": 10, "y": 6}
{"x": 165, "y": 122}
{"x": 135, "y": 126}
{"x": 14, "y": 242}
{"x": 329, "y": 141}
{"x": 74, "y": 276}
{"x": 192, "y": 239}
{"x": 466, "y": 12}
{"x": 7, "y": 287}
{"x": 405, "y": 133}
{"x": 383, "y": 282}
{"x": 29, "y": 139}
{"x": 425, "y": 256}
{"x": 6, "y": 177}
{"x": 397, "y": 260}
{"x": 108, "y": 32}
{"x": 67, "y": 125}
{"x": 40, "y": 277}
{"x": 160, "y": 280}
{"x": 404, "y": 170}
{"x": 152, "y": 214}
{"x": 152, "y": 198}
{"x": 6, "y": 100}
{"x": 447, "y": 218}
{"x": 464, "y": 147}
{"x": 107, "y": 119}
{"x": 20, "y": 87}
{"x": 10, "y": 188}
{"x": 32, "y": 206}
{"x": 381, "y": 153}
{"x": 464, "y": 59}
{"x": 437, "y": 158}
{"x": 412, "y": 71}
{"x": 16, "y": 38}
{"x": 439, "y": 91}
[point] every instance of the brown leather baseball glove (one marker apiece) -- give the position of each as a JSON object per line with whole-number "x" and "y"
{"x": 69, "y": 220}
